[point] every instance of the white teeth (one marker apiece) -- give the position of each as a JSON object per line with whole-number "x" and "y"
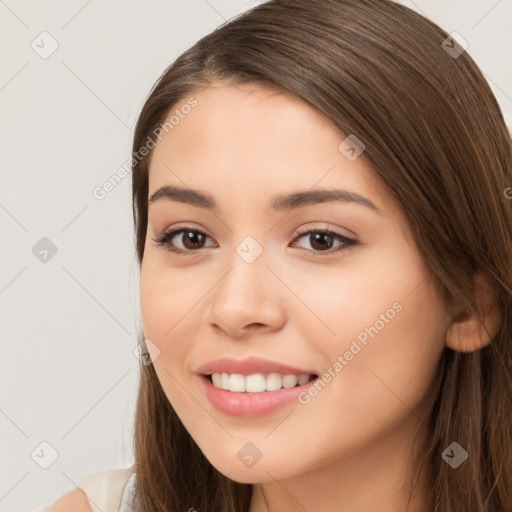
{"x": 273, "y": 382}
{"x": 289, "y": 381}
{"x": 303, "y": 379}
{"x": 217, "y": 380}
{"x": 225, "y": 381}
{"x": 257, "y": 382}
{"x": 236, "y": 382}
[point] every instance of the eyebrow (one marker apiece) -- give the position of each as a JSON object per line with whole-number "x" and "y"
{"x": 283, "y": 202}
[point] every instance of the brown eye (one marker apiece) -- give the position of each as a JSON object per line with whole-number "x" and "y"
{"x": 322, "y": 241}
{"x": 192, "y": 240}
{"x": 187, "y": 241}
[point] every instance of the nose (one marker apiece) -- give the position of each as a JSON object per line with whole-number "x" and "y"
{"x": 248, "y": 299}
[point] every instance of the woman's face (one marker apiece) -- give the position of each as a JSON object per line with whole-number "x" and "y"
{"x": 362, "y": 316}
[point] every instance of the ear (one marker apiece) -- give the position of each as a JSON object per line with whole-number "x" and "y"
{"x": 466, "y": 333}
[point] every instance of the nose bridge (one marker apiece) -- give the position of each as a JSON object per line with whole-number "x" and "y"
{"x": 246, "y": 294}
{"x": 248, "y": 274}
{"x": 250, "y": 250}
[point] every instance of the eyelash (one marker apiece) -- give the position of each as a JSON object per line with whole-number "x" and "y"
{"x": 165, "y": 237}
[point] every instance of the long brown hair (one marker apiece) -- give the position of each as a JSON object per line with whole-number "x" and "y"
{"x": 433, "y": 131}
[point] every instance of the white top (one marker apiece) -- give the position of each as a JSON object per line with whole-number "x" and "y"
{"x": 128, "y": 495}
{"x": 107, "y": 491}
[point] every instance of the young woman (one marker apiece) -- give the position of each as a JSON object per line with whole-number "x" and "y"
{"x": 322, "y": 205}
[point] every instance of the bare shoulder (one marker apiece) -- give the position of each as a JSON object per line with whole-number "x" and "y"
{"x": 75, "y": 500}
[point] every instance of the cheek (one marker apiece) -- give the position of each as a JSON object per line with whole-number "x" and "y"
{"x": 159, "y": 305}
{"x": 152, "y": 302}
{"x": 386, "y": 350}
{"x": 165, "y": 297}
{"x": 168, "y": 302}
{"x": 165, "y": 305}
{"x": 383, "y": 332}
{"x": 343, "y": 302}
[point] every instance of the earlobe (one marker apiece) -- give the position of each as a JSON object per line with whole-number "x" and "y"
{"x": 466, "y": 332}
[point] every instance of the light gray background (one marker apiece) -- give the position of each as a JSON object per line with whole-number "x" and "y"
{"x": 68, "y": 325}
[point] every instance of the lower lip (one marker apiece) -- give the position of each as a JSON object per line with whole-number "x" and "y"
{"x": 251, "y": 405}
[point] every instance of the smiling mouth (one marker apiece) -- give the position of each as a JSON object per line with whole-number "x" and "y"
{"x": 258, "y": 382}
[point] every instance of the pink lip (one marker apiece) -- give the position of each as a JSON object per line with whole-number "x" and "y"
{"x": 249, "y": 366}
{"x": 250, "y": 405}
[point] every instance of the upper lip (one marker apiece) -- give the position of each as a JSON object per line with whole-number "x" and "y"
{"x": 249, "y": 366}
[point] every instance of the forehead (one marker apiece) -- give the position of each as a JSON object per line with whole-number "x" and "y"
{"x": 242, "y": 118}
{"x": 258, "y": 142}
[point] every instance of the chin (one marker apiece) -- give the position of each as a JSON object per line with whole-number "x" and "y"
{"x": 248, "y": 476}
{"x": 261, "y": 472}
